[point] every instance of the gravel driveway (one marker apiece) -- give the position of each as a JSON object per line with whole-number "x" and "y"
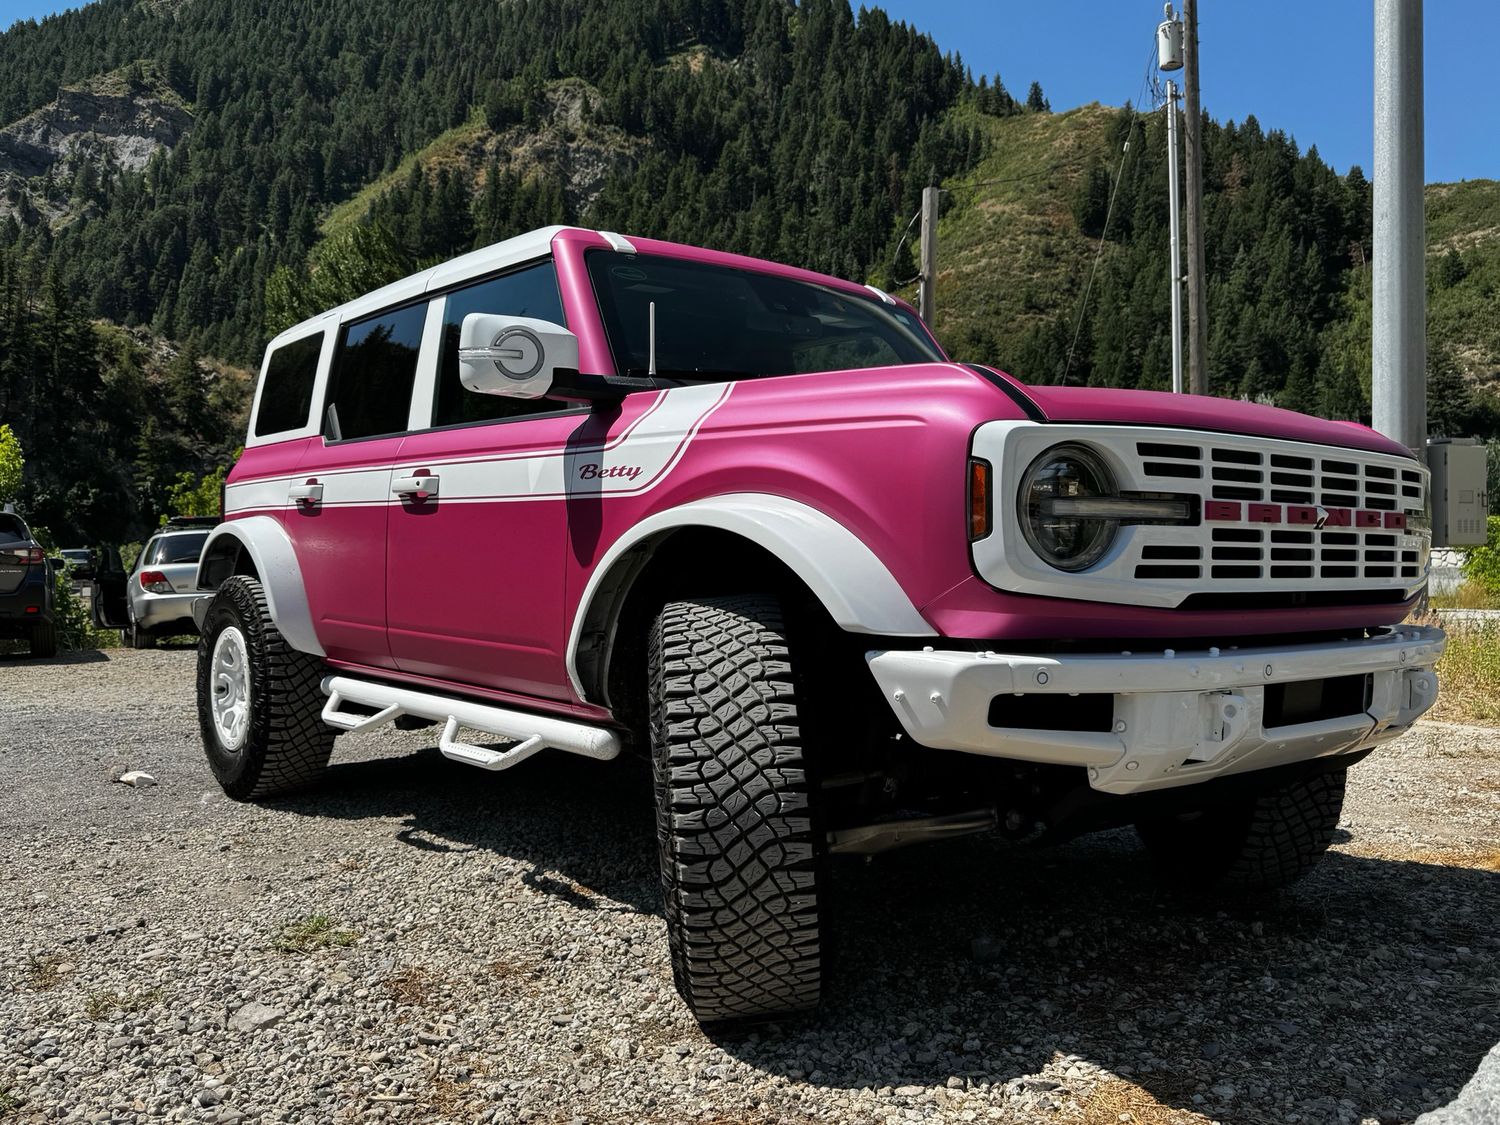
{"x": 419, "y": 941}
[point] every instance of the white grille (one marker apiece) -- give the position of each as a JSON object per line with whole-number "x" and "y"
{"x": 1250, "y": 549}
{"x": 1259, "y": 501}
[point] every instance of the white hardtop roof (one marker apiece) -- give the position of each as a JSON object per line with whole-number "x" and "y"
{"x": 498, "y": 255}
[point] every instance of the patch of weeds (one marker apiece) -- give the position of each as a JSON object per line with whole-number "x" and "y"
{"x": 313, "y": 932}
{"x": 100, "y": 1004}
{"x": 44, "y": 972}
{"x": 10, "y": 1102}
{"x": 412, "y": 986}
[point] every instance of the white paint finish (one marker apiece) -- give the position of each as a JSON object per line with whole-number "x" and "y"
{"x": 618, "y": 241}
{"x": 320, "y": 381}
{"x": 855, "y": 587}
{"x": 280, "y": 574}
{"x": 1005, "y": 560}
{"x": 1179, "y": 719}
{"x": 424, "y": 386}
{"x": 584, "y": 739}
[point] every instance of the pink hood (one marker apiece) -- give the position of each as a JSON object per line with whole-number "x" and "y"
{"x": 1198, "y": 412}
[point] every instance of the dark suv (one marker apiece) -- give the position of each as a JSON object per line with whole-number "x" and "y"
{"x": 25, "y": 588}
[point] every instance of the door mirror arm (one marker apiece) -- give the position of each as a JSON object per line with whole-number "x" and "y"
{"x": 596, "y": 390}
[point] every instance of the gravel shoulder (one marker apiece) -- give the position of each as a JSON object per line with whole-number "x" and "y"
{"x": 420, "y": 942}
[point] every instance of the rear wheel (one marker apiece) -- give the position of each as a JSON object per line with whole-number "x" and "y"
{"x": 1260, "y": 843}
{"x": 259, "y": 701}
{"x": 44, "y": 639}
{"x": 136, "y": 637}
{"x": 736, "y": 823}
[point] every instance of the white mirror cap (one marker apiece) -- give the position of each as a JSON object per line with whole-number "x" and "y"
{"x": 515, "y": 356}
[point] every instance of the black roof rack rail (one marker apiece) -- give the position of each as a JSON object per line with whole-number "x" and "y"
{"x": 180, "y": 522}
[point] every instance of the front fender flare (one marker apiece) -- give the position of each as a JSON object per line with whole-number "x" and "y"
{"x": 270, "y": 549}
{"x": 859, "y": 593}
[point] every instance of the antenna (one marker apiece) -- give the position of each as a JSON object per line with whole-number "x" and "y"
{"x": 651, "y": 341}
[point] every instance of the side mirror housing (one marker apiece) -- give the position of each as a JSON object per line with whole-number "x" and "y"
{"x": 515, "y": 356}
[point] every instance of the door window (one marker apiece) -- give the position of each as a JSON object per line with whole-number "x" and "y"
{"x": 287, "y": 390}
{"x": 369, "y": 392}
{"x": 530, "y": 292}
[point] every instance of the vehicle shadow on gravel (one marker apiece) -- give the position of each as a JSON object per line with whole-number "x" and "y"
{"x": 1371, "y": 984}
{"x": 1367, "y": 991}
{"x": 83, "y": 656}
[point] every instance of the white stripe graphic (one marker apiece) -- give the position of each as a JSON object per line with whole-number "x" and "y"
{"x": 629, "y": 464}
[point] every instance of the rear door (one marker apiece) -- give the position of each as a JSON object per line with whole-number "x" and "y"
{"x": 338, "y": 520}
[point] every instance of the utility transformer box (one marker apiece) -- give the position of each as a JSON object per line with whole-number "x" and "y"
{"x": 1460, "y": 491}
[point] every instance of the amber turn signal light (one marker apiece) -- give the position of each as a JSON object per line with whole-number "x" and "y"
{"x": 979, "y": 499}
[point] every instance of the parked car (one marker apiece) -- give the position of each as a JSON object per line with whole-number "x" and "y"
{"x": 600, "y": 494}
{"x": 26, "y": 588}
{"x": 156, "y": 599}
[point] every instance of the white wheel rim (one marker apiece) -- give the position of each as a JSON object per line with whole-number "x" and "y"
{"x": 230, "y": 683}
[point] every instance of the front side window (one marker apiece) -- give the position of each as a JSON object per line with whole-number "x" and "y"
{"x": 719, "y": 323}
{"x": 369, "y": 392}
{"x": 530, "y": 292}
{"x": 286, "y": 393}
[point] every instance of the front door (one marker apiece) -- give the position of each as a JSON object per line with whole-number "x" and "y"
{"x": 475, "y": 552}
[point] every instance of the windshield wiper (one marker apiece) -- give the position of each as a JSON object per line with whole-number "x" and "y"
{"x": 700, "y": 374}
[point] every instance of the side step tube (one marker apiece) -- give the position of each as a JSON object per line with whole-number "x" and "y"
{"x": 530, "y": 733}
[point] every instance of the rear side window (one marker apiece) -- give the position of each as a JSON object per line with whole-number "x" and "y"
{"x": 370, "y": 391}
{"x": 286, "y": 395}
{"x": 529, "y": 292}
{"x": 171, "y": 549}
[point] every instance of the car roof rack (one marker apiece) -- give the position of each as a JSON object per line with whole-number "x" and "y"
{"x": 181, "y": 523}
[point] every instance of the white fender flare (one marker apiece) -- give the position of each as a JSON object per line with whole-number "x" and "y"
{"x": 855, "y": 587}
{"x": 270, "y": 549}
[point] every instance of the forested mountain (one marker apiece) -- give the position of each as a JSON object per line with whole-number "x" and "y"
{"x": 210, "y": 172}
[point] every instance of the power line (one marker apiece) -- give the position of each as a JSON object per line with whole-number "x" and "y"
{"x": 1099, "y": 253}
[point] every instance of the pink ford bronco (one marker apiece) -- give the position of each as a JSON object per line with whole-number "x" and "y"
{"x": 604, "y": 495}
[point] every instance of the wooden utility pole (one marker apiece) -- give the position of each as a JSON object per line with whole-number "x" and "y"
{"x": 928, "y": 283}
{"x": 1193, "y": 140}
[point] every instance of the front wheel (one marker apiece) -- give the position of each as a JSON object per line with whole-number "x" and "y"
{"x": 736, "y": 818}
{"x": 259, "y": 701}
{"x": 1260, "y": 843}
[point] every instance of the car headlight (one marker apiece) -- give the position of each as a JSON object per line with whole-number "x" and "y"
{"x": 1065, "y": 533}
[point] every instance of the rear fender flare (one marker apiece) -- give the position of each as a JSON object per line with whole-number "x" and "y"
{"x": 270, "y": 549}
{"x": 856, "y": 588}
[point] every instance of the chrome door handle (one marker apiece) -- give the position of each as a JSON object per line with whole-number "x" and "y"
{"x": 422, "y": 486}
{"x": 309, "y": 493}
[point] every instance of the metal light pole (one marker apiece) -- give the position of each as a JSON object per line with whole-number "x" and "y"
{"x": 1399, "y": 337}
{"x": 1169, "y": 58}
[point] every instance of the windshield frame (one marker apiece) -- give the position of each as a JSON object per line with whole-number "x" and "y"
{"x": 913, "y": 332}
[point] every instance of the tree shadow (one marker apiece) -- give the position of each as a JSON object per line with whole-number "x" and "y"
{"x": 1367, "y": 991}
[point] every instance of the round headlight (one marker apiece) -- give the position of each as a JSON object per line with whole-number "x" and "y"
{"x": 1068, "y": 542}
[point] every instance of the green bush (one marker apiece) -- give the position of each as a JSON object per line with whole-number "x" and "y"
{"x": 1482, "y": 564}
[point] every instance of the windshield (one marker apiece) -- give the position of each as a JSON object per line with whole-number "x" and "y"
{"x": 183, "y": 548}
{"x": 714, "y": 322}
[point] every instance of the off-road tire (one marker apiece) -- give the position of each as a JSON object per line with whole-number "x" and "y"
{"x": 741, "y": 852}
{"x": 287, "y": 745}
{"x": 44, "y": 640}
{"x": 1257, "y": 844}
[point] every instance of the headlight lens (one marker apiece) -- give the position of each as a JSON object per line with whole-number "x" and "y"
{"x": 1067, "y": 542}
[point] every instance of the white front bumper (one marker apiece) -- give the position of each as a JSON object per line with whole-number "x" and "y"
{"x": 1179, "y": 717}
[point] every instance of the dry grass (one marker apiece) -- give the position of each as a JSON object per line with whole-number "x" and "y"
{"x": 315, "y": 931}
{"x": 1469, "y": 675}
{"x": 100, "y": 1004}
{"x": 1117, "y": 1102}
{"x": 44, "y": 972}
{"x": 414, "y": 986}
{"x": 1471, "y": 595}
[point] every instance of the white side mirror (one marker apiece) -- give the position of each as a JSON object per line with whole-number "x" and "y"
{"x": 515, "y": 356}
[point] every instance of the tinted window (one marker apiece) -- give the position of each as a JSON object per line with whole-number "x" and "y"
{"x": 715, "y": 322}
{"x": 12, "y": 530}
{"x": 287, "y": 393}
{"x": 370, "y": 390}
{"x": 184, "y": 548}
{"x": 529, "y": 292}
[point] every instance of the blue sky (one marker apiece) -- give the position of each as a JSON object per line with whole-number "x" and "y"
{"x": 1303, "y": 68}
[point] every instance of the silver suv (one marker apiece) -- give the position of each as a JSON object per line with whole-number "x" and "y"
{"x": 160, "y": 591}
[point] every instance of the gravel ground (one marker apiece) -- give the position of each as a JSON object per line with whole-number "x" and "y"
{"x": 419, "y": 942}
